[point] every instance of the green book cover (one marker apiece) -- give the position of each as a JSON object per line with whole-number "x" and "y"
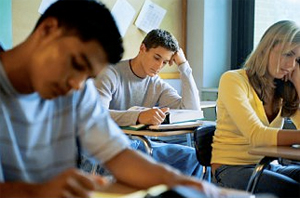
{"x": 134, "y": 127}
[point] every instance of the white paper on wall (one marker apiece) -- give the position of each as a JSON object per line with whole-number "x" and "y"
{"x": 44, "y": 5}
{"x": 123, "y": 13}
{"x": 150, "y": 16}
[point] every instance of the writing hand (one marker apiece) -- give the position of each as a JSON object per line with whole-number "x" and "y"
{"x": 72, "y": 183}
{"x": 153, "y": 116}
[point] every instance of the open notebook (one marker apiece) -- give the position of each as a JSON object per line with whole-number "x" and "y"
{"x": 176, "y": 126}
{"x": 162, "y": 191}
{"x": 176, "y": 119}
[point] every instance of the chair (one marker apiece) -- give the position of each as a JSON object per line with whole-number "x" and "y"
{"x": 203, "y": 137}
{"x": 258, "y": 170}
{"x": 264, "y": 162}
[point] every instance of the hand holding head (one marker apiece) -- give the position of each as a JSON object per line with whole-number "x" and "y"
{"x": 276, "y": 57}
{"x": 178, "y": 58}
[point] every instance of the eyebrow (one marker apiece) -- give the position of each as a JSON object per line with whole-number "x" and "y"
{"x": 162, "y": 57}
{"x": 292, "y": 52}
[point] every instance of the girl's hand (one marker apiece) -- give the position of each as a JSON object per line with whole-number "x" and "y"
{"x": 294, "y": 76}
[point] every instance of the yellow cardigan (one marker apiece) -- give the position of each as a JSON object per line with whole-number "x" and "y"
{"x": 242, "y": 122}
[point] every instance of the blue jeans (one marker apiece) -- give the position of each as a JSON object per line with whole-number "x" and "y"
{"x": 183, "y": 158}
{"x": 281, "y": 181}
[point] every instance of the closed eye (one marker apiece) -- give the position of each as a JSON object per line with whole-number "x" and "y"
{"x": 76, "y": 65}
{"x": 289, "y": 54}
{"x": 156, "y": 58}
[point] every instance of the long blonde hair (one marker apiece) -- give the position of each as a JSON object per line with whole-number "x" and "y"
{"x": 286, "y": 33}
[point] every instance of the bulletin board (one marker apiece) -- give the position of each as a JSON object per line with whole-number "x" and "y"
{"x": 174, "y": 21}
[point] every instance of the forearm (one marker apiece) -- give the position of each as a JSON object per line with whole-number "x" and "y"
{"x": 20, "y": 189}
{"x": 124, "y": 118}
{"x": 288, "y": 137}
{"x": 139, "y": 170}
{"x": 190, "y": 93}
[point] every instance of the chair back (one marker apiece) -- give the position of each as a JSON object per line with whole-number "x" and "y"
{"x": 203, "y": 137}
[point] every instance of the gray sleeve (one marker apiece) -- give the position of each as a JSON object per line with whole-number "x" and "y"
{"x": 189, "y": 98}
{"x": 106, "y": 83}
{"x": 190, "y": 93}
{"x": 98, "y": 133}
{"x": 124, "y": 118}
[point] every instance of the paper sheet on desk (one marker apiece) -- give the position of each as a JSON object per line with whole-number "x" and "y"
{"x": 176, "y": 126}
{"x": 154, "y": 191}
{"x": 179, "y": 191}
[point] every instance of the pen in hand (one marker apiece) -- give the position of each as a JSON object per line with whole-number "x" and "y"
{"x": 154, "y": 116}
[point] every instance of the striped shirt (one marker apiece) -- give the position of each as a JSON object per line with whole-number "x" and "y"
{"x": 38, "y": 136}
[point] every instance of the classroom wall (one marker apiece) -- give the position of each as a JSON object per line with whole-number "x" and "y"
{"x": 209, "y": 40}
{"x": 5, "y": 24}
{"x": 171, "y": 22}
{"x": 208, "y": 33}
{"x": 24, "y": 16}
{"x": 217, "y": 41}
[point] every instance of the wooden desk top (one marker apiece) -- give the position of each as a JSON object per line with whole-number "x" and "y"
{"x": 116, "y": 190}
{"x": 162, "y": 133}
{"x": 157, "y": 133}
{"x": 207, "y": 104}
{"x": 286, "y": 152}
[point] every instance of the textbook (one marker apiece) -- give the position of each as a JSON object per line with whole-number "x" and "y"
{"x": 182, "y": 115}
{"x": 175, "y": 119}
{"x": 134, "y": 127}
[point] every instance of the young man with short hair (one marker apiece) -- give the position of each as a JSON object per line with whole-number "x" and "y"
{"x": 135, "y": 82}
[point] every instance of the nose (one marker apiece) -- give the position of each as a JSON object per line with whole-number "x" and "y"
{"x": 76, "y": 83}
{"x": 159, "y": 65}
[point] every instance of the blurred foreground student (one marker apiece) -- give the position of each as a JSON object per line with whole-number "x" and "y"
{"x": 252, "y": 104}
{"x": 135, "y": 82}
{"x": 47, "y": 102}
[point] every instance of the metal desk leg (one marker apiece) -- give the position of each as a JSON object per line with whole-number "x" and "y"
{"x": 145, "y": 141}
{"x": 257, "y": 173}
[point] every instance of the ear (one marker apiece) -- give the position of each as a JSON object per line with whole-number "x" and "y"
{"x": 143, "y": 48}
{"x": 48, "y": 26}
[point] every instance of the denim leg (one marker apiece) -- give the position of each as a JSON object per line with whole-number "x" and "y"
{"x": 270, "y": 182}
{"x": 135, "y": 144}
{"x": 292, "y": 171}
{"x": 178, "y": 156}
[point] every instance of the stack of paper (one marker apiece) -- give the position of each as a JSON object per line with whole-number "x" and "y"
{"x": 151, "y": 192}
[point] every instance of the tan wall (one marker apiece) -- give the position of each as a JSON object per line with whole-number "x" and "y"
{"x": 25, "y": 15}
